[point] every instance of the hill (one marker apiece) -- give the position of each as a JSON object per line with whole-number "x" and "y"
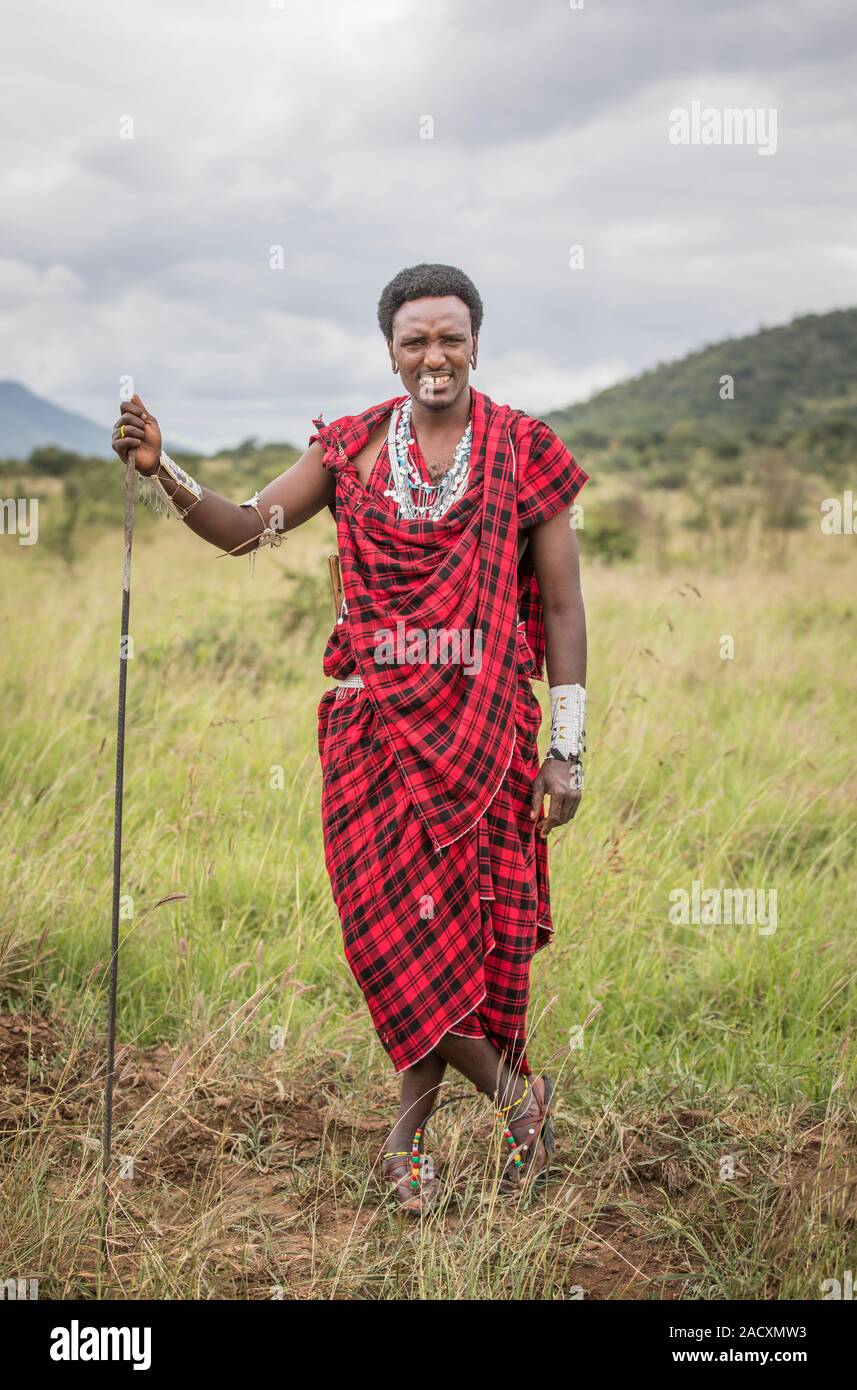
{"x": 797, "y": 377}
{"x": 29, "y": 422}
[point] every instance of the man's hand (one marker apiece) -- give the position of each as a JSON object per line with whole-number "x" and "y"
{"x": 140, "y": 432}
{"x": 553, "y": 780}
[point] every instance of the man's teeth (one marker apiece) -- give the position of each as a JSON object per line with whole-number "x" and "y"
{"x": 440, "y": 380}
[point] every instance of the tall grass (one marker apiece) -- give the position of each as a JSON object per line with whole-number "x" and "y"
{"x": 706, "y": 1109}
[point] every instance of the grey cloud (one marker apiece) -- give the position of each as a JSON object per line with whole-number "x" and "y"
{"x": 300, "y": 128}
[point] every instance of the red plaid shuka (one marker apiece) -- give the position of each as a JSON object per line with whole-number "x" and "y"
{"x": 440, "y": 880}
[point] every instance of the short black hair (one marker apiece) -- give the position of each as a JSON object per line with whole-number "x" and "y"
{"x": 424, "y": 281}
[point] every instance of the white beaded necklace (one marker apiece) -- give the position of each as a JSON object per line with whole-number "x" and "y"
{"x": 416, "y": 498}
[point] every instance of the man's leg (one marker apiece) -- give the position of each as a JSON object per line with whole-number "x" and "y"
{"x": 420, "y": 1085}
{"x": 475, "y": 1058}
{"x": 481, "y": 1063}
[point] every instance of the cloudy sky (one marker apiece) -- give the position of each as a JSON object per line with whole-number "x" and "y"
{"x": 272, "y": 123}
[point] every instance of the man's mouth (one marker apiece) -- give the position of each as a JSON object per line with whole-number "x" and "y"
{"x": 436, "y": 381}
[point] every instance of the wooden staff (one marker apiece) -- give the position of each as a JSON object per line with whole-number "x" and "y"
{"x": 117, "y": 848}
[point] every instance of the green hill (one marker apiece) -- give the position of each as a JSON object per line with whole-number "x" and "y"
{"x": 676, "y": 468}
{"x": 795, "y": 378}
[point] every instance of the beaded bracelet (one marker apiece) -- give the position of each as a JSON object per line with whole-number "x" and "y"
{"x": 568, "y": 712}
{"x": 267, "y": 536}
{"x": 568, "y": 735}
{"x": 151, "y": 490}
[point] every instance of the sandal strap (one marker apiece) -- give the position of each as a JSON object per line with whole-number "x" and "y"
{"x": 414, "y": 1176}
{"x": 536, "y": 1130}
{"x": 501, "y": 1110}
{"x": 411, "y": 1180}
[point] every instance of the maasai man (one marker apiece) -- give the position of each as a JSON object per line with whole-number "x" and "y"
{"x": 460, "y": 579}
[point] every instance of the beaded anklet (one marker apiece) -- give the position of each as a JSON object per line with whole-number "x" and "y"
{"x": 413, "y": 1154}
{"x": 422, "y": 1165}
{"x": 507, "y": 1133}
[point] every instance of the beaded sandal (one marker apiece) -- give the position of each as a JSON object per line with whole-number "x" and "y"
{"x": 528, "y": 1161}
{"x": 410, "y": 1174}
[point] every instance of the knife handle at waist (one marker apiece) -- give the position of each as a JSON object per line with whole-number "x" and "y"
{"x": 335, "y": 584}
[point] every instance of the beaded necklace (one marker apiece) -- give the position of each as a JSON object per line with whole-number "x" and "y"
{"x": 415, "y": 497}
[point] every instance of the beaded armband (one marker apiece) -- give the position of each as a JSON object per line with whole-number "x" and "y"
{"x": 267, "y": 536}
{"x": 568, "y": 736}
{"x": 151, "y": 490}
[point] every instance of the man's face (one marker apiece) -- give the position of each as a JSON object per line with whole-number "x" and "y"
{"x": 432, "y": 344}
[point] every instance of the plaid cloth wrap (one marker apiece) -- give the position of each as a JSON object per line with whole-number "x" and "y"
{"x": 439, "y": 878}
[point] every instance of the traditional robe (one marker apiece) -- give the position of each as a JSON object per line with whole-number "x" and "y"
{"x": 439, "y": 877}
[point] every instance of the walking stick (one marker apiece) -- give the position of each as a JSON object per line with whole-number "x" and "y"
{"x": 117, "y": 850}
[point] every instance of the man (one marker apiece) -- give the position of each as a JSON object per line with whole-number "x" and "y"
{"x": 460, "y": 577}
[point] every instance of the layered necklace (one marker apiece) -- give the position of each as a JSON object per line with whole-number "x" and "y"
{"x": 415, "y": 497}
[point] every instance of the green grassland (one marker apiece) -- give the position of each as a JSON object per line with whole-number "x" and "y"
{"x": 706, "y": 1110}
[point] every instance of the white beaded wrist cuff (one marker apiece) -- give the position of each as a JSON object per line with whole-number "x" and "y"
{"x": 151, "y": 490}
{"x": 568, "y": 712}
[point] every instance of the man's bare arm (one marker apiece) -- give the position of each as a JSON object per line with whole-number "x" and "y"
{"x": 286, "y": 502}
{"x": 556, "y": 560}
{"x": 301, "y": 491}
{"x": 557, "y": 565}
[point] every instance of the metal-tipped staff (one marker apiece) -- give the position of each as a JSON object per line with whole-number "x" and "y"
{"x": 130, "y": 470}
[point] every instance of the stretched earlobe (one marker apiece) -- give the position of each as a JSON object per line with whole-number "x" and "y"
{"x": 395, "y": 365}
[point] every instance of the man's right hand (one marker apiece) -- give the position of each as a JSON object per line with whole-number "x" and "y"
{"x": 141, "y": 433}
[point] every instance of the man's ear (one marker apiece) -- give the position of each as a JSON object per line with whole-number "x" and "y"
{"x": 475, "y": 351}
{"x": 393, "y": 363}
